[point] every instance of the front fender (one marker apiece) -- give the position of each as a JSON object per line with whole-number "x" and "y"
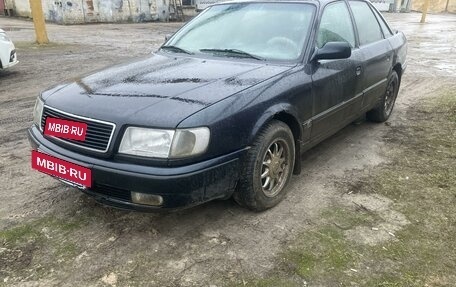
{"x": 277, "y": 111}
{"x": 235, "y": 121}
{"x": 288, "y": 114}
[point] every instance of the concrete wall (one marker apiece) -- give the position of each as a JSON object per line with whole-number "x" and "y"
{"x": 435, "y": 5}
{"x": 88, "y": 11}
{"x": 20, "y": 7}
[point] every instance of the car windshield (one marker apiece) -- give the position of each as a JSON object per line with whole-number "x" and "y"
{"x": 261, "y": 31}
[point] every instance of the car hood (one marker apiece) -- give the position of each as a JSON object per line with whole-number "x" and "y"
{"x": 158, "y": 91}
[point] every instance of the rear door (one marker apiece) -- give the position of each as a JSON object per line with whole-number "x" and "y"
{"x": 376, "y": 51}
{"x": 335, "y": 82}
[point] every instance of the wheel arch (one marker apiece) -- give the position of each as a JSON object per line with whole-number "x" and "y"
{"x": 287, "y": 115}
{"x": 398, "y": 69}
{"x": 295, "y": 128}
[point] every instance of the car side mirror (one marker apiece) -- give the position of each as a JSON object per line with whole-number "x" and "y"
{"x": 333, "y": 50}
{"x": 167, "y": 37}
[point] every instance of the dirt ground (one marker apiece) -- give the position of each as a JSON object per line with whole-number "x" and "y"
{"x": 53, "y": 235}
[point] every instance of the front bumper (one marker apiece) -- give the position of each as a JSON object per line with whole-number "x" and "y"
{"x": 180, "y": 187}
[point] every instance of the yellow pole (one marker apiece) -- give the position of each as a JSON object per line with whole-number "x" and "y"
{"x": 423, "y": 16}
{"x": 38, "y": 22}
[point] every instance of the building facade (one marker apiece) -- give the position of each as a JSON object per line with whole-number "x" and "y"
{"x": 112, "y": 11}
{"x": 103, "y": 11}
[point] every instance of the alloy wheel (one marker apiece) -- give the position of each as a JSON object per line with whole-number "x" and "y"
{"x": 275, "y": 168}
{"x": 390, "y": 98}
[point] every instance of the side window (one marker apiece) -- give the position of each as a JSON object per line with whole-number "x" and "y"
{"x": 386, "y": 30}
{"x": 336, "y": 25}
{"x": 368, "y": 28}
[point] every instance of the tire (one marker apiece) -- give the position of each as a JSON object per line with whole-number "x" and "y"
{"x": 255, "y": 192}
{"x": 383, "y": 111}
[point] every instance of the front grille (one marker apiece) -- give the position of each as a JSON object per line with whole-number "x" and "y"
{"x": 113, "y": 192}
{"x": 98, "y": 136}
{"x": 12, "y": 56}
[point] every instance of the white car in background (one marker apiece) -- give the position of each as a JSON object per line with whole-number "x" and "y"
{"x": 8, "y": 57}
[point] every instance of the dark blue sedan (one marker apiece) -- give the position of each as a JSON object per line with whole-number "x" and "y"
{"x": 224, "y": 108}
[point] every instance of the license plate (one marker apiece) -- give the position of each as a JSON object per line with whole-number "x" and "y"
{"x": 65, "y": 129}
{"x": 62, "y": 169}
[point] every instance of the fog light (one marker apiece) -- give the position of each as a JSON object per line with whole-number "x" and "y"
{"x": 147, "y": 199}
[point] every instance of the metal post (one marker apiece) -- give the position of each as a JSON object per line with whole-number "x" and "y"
{"x": 425, "y": 9}
{"x": 38, "y": 22}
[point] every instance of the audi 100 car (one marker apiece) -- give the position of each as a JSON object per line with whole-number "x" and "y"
{"x": 8, "y": 56}
{"x": 224, "y": 108}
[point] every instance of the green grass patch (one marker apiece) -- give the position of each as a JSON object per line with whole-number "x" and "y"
{"x": 34, "y": 230}
{"x": 32, "y": 249}
{"x": 67, "y": 250}
{"x": 347, "y": 218}
{"x": 320, "y": 250}
{"x": 268, "y": 282}
{"x": 18, "y": 234}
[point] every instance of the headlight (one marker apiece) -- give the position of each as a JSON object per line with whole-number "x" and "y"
{"x": 146, "y": 142}
{"x": 5, "y": 38}
{"x": 189, "y": 142}
{"x": 38, "y": 112}
{"x": 164, "y": 143}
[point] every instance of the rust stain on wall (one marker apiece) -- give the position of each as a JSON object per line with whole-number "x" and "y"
{"x": 90, "y": 4}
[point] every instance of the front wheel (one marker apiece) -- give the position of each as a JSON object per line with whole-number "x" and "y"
{"x": 383, "y": 111}
{"x": 267, "y": 168}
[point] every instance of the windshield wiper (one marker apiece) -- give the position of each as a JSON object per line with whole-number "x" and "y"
{"x": 176, "y": 49}
{"x": 233, "y": 52}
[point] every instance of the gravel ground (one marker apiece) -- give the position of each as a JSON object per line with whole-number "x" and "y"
{"x": 55, "y": 235}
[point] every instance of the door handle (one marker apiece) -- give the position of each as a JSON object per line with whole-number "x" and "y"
{"x": 358, "y": 70}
